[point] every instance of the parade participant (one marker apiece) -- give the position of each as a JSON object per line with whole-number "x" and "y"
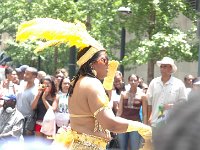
{"x": 91, "y": 119}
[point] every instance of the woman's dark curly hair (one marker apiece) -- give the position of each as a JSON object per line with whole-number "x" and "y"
{"x": 53, "y": 87}
{"x": 85, "y": 69}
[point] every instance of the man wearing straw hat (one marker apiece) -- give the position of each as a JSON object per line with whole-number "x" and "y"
{"x": 164, "y": 92}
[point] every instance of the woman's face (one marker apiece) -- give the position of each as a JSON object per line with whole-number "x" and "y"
{"x": 118, "y": 81}
{"x": 15, "y": 78}
{"x": 101, "y": 65}
{"x": 65, "y": 84}
{"x": 48, "y": 85}
{"x": 9, "y": 76}
{"x": 58, "y": 78}
{"x": 133, "y": 81}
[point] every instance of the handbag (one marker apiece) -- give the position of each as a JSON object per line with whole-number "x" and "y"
{"x": 30, "y": 122}
{"x": 62, "y": 119}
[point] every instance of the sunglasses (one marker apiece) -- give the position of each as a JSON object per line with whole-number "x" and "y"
{"x": 103, "y": 60}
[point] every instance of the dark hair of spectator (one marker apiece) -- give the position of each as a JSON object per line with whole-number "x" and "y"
{"x": 53, "y": 87}
{"x": 33, "y": 70}
{"x": 8, "y": 70}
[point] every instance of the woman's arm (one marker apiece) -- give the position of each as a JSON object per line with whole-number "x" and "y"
{"x": 120, "y": 125}
{"x": 97, "y": 99}
{"x": 120, "y": 110}
{"x": 149, "y": 111}
{"x": 144, "y": 109}
{"x": 44, "y": 96}
{"x": 45, "y": 102}
{"x": 55, "y": 103}
{"x": 35, "y": 101}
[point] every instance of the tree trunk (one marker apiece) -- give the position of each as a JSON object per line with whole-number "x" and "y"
{"x": 150, "y": 31}
{"x": 150, "y": 71}
{"x": 55, "y": 58}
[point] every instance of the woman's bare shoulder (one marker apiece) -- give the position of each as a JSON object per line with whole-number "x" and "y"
{"x": 90, "y": 82}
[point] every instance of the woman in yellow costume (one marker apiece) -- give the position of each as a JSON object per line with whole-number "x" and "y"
{"x": 91, "y": 118}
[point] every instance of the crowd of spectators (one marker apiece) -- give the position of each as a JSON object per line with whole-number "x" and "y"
{"x": 26, "y": 92}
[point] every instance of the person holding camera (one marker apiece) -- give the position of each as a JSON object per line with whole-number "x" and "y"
{"x": 46, "y": 97}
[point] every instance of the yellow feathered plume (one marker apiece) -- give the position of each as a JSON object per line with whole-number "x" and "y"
{"x": 55, "y": 32}
{"x": 44, "y": 45}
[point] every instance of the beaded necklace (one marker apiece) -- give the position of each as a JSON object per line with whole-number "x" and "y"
{"x": 131, "y": 98}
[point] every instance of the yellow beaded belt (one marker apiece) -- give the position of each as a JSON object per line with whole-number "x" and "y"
{"x": 74, "y": 141}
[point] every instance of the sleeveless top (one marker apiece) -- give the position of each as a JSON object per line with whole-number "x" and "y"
{"x": 131, "y": 109}
{"x": 41, "y": 109}
{"x": 63, "y": 103}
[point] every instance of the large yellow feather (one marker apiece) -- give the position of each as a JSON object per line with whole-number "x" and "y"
{"x": 44, "y": 45}
{"x": 54, "y": 31}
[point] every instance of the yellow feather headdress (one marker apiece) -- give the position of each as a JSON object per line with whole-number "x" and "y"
{"x": 55, "y": 32}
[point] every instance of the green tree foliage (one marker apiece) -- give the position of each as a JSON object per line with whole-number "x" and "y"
{"x": 151, "y": 23}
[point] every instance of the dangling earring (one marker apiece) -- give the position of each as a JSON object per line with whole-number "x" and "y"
{"x": 94, "y": 71}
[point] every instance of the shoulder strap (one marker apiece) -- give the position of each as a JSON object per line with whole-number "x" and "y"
{"x": 76, "y": 116}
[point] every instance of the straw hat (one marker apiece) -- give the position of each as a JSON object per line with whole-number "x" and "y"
{"x": 167, "y": 61}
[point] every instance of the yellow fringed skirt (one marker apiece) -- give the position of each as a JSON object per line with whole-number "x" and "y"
{"x": 80, "y": 141}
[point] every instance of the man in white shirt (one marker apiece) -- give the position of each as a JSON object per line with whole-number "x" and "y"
{"x": 164, "y": 91}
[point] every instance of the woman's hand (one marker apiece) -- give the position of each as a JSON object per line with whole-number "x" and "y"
{"x": 168, "y": 106}
{"x": 46, "y": 92}
{"x": 5, "y": 83}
